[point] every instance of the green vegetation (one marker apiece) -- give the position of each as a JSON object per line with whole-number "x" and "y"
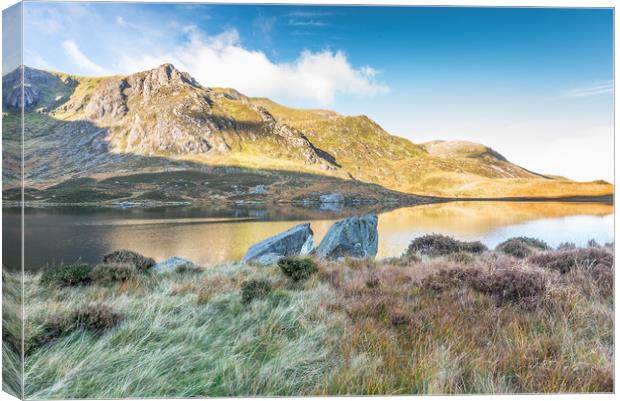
{"x": 107, "y": 273}
{"x": 255, "y": 289}
{"x": 521, "y": 247}
{"x": 67, "y": 275}
{"x": 433, "y": 325}
{"x": 297, "y": 269}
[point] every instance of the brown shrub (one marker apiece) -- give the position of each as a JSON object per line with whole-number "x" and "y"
{"x": 96, "y": 318}
{"x": 565, "y": 260}
{"x": 437, "y": 245}
{"x": 505, "y": 285}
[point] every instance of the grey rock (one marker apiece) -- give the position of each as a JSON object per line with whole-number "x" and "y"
{"x": 355, "y": 237}
{"x": 288, "y": 243}
{"x": 335, "y": 197}
{"x": 267, "y": 259}
{"x": 258, "y": 190}
{"x": 171, "y": 264}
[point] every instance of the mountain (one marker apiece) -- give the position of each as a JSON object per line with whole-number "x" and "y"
{"x": 85, "y": 136}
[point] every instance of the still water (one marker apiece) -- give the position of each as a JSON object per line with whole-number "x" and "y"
{"x": 208, "y": 236}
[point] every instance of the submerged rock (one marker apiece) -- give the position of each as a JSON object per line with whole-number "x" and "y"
{"x": 335, "y": 197}
{"x": 355, "y": 237}
{"x": 172, "y": 263}
{"x": 295, "y": 241}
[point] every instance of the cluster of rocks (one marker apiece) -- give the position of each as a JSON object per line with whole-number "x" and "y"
{"x": 355, "y": 237}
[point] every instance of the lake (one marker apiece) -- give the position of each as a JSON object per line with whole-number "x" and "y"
{"x": 214, "y": 235}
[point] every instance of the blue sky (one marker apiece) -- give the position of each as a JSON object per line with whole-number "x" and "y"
{"x": 535, "y": 84}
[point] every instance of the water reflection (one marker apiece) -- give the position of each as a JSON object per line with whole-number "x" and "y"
{"x": 210, "y": 236}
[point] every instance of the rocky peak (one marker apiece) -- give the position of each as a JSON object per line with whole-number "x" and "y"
{"x": 32, "y": 80}
{"x": 166, "y": 75}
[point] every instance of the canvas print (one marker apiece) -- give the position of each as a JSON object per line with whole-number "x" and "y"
{"x": 220, "y": 200}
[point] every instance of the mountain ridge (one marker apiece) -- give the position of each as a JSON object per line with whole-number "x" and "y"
{"x": 164, "y": 119}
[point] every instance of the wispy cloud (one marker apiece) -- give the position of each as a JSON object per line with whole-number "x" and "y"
{"x": 596, "y": 88}
{"x": 222, "y": 61}
{"x": 263, "y": 26}
{"x": 309, "y": 14}
{"x": 121, "y": 21}
{"x": 309, "y": 22}
{"x": 79, "y": 58}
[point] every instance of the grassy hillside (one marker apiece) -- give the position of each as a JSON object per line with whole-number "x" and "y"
{"x": 432, "y": 323}
{"x": 162, "y": 119}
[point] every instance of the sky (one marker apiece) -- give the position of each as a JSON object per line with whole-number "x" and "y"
{"x": 535, "y": 84}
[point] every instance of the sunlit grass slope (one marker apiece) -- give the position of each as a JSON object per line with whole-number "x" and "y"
{"x": 451, "y": 322}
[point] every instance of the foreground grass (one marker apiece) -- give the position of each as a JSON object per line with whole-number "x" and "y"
{"x": 355, "y": 327}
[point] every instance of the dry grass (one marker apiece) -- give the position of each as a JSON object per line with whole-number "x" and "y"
{"x": 431, "y": 325}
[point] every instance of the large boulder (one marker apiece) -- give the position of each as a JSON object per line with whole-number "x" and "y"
{"x": 171, "y": 264}
{"x": 292, "y": 242}
{"x": 355, "y": 237}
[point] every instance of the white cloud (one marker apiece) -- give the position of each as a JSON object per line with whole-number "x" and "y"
{"x": 222, "y": 61}
{"x": 597, "y": 88}
{"x": 73, "y": 51}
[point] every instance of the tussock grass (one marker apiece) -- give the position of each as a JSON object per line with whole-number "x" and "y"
{"x": 436, "y": 325}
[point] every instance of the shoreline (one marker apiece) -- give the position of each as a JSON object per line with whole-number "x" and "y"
{"x": 602, "y": 199}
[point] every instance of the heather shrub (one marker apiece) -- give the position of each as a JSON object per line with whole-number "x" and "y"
{"x": 462, "y": 257}
{"x": 437, "y": 245}
{"x": 297, "y": 269}
{"x": 449, "y": 278}
{"x": 514, "y": 247}
{"x": 510, "y": 285}
{"x": 108, "y": 273}
{"x": 188, "y": 269}
{"x": 566, "y": 260}
{"x": 505, "y": 285}
{"x": 67, "y": 275}
{"x": 255, "y": 289}
{"x": 96, "y": 318}
{"x": 123, "y": 256}
{"x": 533, "y": 242}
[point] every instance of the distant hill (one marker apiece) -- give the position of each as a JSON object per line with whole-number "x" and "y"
{"x": 162, "y": 120}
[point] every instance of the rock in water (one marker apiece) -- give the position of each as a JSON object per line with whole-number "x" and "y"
{"x": 335, "y": 197}
{"x": 172, "y": 263}
{"x": 295, "y": 241}
{"x": 355, "y": 237}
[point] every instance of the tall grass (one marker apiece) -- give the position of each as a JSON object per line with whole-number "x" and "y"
{"x": 356, "y": 327}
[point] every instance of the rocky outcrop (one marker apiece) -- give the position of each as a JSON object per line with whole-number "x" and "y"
{"x": 295, "y": 241}
{"x": 355, "y": 237}
{"x": 171, "y": 264}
